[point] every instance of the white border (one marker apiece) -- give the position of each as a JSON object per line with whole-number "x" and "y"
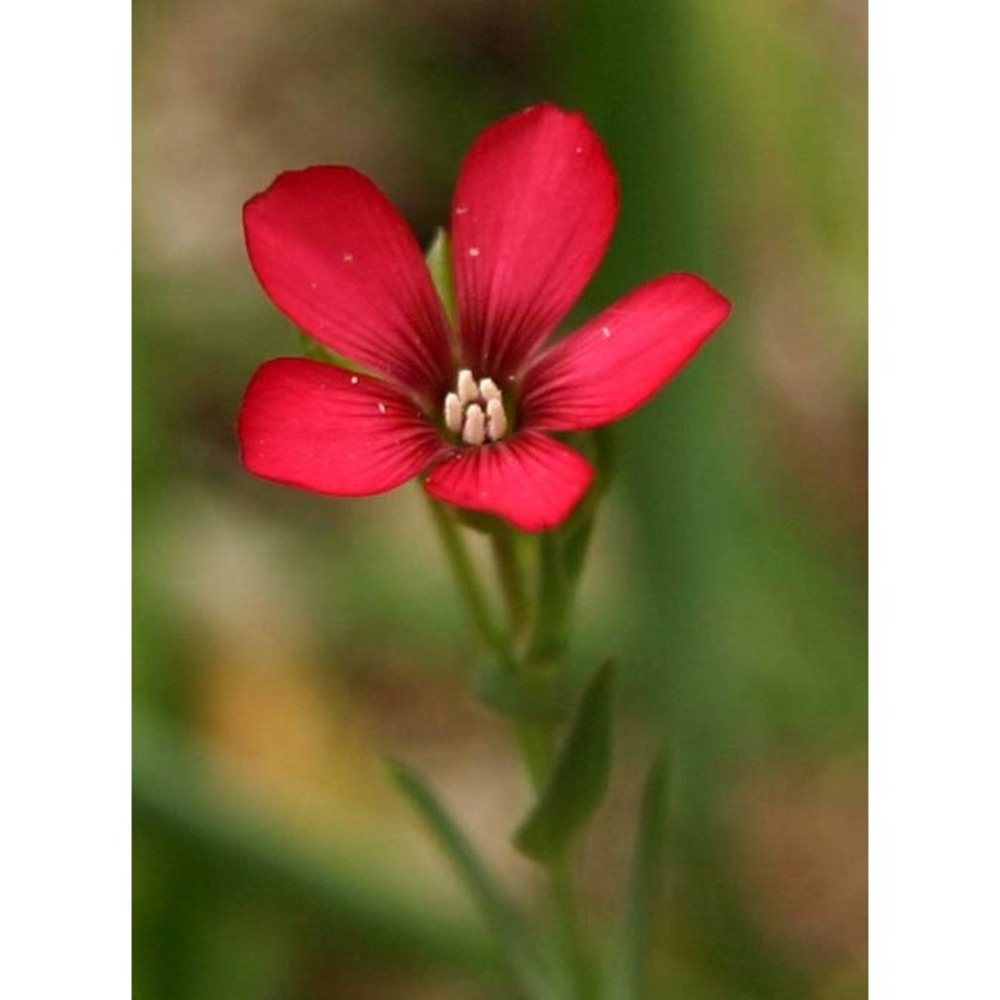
{"x": 65, "y": 410}
{"x": 935, "y": 501}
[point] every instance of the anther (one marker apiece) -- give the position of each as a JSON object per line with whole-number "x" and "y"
{"x": 453, "y": 412}
{"x": 488, "y": 390}
{"x": 475, "y": 411}
{"x": 474, "y": 429}
{"x": 467, "y": 390}
{"x": 496, "y": 420}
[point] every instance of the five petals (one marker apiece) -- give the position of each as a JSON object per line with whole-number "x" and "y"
{"x": 534, "y": 209}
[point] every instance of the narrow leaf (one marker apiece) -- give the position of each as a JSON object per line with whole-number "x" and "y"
{"x": 499, "y": 917}
{"x": 578, "y": 780}
{"x": 457, "y": 847}
{"x": 644, "y": 880}
{"x": 179, "y": 800}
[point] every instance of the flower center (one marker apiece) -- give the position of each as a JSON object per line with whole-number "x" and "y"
{"x": 475, "y": 410}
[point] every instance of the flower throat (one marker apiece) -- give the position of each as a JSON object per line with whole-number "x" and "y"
{"x": 475, "y": 411}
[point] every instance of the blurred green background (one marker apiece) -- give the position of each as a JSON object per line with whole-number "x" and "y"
{"x": 285, "y": 644}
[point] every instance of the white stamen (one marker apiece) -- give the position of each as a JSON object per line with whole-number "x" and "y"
{"x": 461, "y": 209}
{"x": 354, "y": 380}
{"x": 383, "y": 409}
{"x": 488, "y": 390}
{"x": 474, "y": 429}
{"x": 496, "y": 420}
{"x": 475, "y": 412}
{"x": 467, "y": 391}
{"x": 605, "y": 332}
{"x": 453, "y": 412}
{"x": 473, "y": 251}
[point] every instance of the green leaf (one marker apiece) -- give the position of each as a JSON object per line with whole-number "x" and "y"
{"x": 442, "y": 273}
{"x": 578, "y": 780}
{"x": 644, "y": 880}
{"x": 499, "y": 917}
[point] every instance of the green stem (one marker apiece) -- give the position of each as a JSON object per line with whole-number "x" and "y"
{"x": 541, "y": 662}
{"x": 554, "y": 597}
{"x": 469, "y": 586}
{"x": 510, "y": 570}
{"x": 538, "y": 749}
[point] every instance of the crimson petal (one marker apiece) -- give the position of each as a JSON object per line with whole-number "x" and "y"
{"x": 531, "y": 480}
{"x": 327, "y": 430}
{"x": 337, "y": 258}
{"x": 534, "y": 209}
{"x": 619, "y": 359}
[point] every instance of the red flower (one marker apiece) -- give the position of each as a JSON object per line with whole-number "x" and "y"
{"x": 470, "y": 408}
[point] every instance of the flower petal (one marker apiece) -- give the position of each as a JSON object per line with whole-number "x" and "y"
{"x": 337, "y": 258}
{"x": 531, "y": 480}
{"x": 534, "y": 209}
{"x": 618, "y": 360}
{"x": 327, "y": 430}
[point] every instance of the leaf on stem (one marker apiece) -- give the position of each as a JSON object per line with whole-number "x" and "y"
{"x": 579, "y": 778}
{"x": 498, "y": 915}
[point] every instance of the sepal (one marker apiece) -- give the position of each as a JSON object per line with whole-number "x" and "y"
{"x": 540, "y": 698}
